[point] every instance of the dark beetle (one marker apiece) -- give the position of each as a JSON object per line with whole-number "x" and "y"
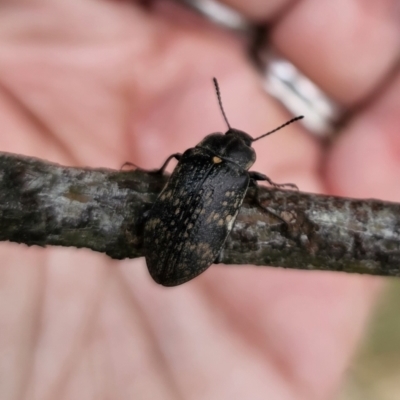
{"x": 194, "y": 214}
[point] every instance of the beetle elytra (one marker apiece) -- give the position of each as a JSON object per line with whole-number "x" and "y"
{"x": 192, "y": 217}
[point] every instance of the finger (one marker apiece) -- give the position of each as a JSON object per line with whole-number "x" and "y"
{"x": 259, "y": 10}
{"x": 347, "y": 47}
{"x": 365, "y": 161}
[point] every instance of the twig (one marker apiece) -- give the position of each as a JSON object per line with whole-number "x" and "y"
{"x": 104, "y": 210}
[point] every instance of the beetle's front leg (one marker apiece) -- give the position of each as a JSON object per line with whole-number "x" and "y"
{"x": 177, "y": 156}
{"x": 157, "y": 171}
{"x": 257, "y": 176}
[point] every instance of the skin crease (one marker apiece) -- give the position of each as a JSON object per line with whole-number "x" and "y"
{"x": 96, "y": 83}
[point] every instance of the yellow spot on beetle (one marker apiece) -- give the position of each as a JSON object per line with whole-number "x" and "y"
{"x": 221, "y": 222}
{"x": 217, "y": 160}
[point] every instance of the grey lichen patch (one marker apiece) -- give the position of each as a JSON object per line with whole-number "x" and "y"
{"x": 304, "y": 239}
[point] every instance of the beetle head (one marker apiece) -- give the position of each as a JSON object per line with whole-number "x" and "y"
{"x": 246, "y": 138}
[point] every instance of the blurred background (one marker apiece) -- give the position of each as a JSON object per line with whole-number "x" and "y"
{"x": 375, "y": 371}
{"x": 72, "y": 68}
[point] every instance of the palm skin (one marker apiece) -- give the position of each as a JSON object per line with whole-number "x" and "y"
{"x": 96, "y": 83}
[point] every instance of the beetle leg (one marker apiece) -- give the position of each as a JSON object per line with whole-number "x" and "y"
{"x": 177, "y": 156}
{"x": 157, "y": 171}
{"x": 257, "y": 176}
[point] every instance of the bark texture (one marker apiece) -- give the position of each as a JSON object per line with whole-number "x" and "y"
{"x": 105, "y": 210}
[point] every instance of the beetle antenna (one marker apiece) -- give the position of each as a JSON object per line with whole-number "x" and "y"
{"x": 220, "y": 101}
{"x": 279, "y": 127}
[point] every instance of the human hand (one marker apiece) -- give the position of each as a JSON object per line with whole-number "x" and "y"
{"x": 101, "y": 82}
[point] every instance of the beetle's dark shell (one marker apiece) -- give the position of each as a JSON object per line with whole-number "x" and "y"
{"x": 191, "y": 219}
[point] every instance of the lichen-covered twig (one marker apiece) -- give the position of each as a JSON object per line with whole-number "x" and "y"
{"x": 104, "y": 210}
